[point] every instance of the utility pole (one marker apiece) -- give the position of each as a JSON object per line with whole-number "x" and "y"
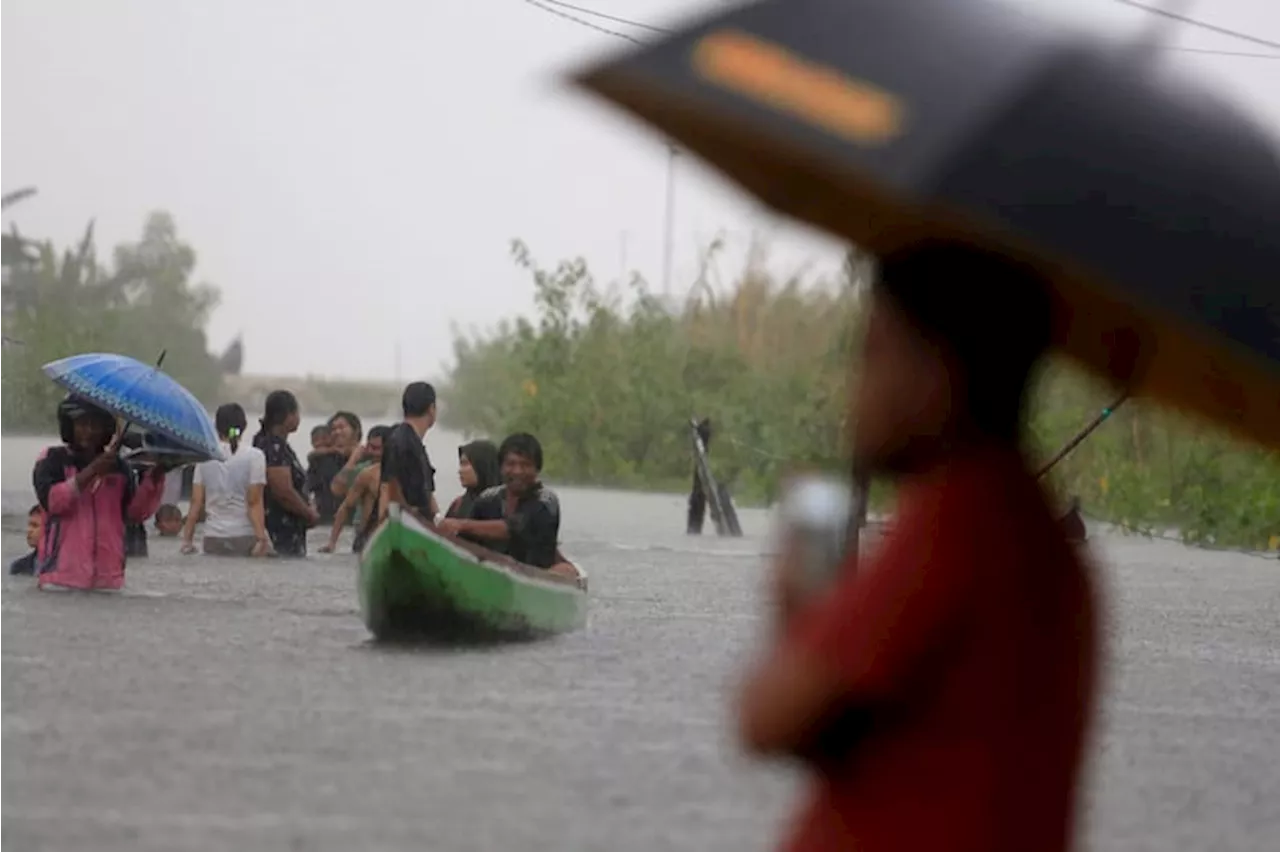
{"x": 622, "y": 257}
{"x": 397, "y": 360}
{"x": 669, "y": 219}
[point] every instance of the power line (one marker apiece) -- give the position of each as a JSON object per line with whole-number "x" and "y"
{"x": 558, "y": 7}
{"x": 614, "y": 18}
{"x": 1193, "y": 22}
{"x": 560, "y": 14}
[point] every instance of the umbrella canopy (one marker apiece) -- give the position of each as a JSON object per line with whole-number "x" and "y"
{"x": 141, "y": 394}
{"x": 1152, "y": 208}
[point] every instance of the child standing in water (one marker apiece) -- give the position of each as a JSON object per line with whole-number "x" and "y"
{"x": 35, "y": 529}
{"x": 88, "y": 495}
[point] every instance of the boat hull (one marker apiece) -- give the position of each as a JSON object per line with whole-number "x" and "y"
{"x": 417, "y": 583}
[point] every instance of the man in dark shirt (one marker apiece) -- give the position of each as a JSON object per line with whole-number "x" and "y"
{"x": 407, "y": 475}
{"x": 521, "y": 517}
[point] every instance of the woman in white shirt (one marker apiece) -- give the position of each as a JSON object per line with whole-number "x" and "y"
{"x": 230, "y": 494}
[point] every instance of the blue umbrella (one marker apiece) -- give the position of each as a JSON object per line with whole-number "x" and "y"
{"x": 140, "y": 393}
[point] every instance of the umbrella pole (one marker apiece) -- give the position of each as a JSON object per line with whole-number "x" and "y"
{"x": 1082, "y": 434}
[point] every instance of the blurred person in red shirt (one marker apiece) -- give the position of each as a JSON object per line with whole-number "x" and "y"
{"x": 939, "y": 692}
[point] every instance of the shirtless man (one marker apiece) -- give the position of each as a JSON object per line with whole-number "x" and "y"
{"x": 362, "y": 496}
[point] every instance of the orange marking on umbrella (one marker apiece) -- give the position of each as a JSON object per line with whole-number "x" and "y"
{"x": 852, "y": 108}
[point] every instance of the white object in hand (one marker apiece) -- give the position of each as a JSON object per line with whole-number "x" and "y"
{"x": 815, "y": 517}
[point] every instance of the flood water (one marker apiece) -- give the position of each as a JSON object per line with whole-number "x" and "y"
{"x": 236, "y": 704}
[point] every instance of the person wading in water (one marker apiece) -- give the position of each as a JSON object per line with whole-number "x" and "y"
{"x": 288, "y": 515}
{"x": 230, "y": 494}
{"x": 347, "y": 432}
{"x": 407, "y": 477}
{"x": 88, "y": 494}
{"x": 361, "y": 503}
{"x": 939, "y": 690}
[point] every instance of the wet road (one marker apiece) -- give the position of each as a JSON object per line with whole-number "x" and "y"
{"x": 237, "y": 705}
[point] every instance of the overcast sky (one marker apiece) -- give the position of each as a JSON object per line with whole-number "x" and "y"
{"x": 350, "y": 173}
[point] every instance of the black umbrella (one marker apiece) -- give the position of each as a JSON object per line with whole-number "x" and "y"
{"x": 1153, "y": 207}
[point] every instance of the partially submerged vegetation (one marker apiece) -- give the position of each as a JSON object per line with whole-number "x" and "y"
{"x": 610, "y": 379}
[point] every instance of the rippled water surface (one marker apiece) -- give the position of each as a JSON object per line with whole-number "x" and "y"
{"x": 238, "y": 705}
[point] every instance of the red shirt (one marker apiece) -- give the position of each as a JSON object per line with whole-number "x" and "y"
{"x": 969, "y": 642}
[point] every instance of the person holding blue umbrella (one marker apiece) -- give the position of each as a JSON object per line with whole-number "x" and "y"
{"x": 89, "y": 495}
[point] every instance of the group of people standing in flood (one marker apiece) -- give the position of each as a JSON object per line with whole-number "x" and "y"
{"x": 260, "y": 499}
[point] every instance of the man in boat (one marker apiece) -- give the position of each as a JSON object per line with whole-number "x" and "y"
{"x": 361, "y": 500}
{"x": 521, "y": 517}
{"x": 406, "y": 475}
{"x": 939, "y": 690}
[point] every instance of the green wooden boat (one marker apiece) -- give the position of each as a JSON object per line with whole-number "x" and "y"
{"x": 415, "y": 582}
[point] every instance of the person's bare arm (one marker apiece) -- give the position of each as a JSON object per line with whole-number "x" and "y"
{"x": 347, "y": 477}
{"x": 343, "y": 514}
{"x": 193, "y": 516}
{"x": 488, "y": 530}
{"x": 257, "y": 512}
{"x": 280, "y": 482}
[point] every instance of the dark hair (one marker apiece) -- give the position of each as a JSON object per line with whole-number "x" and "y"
{"x": 417, "y": 399}
{"x": 231, "y": 423}
{"x": 279, "y": 405}
{"x": 35, "y": 510}
{"x": 352, "y": 420}
{"x": 317, "y": 431}
{"x": 522, "y": 444}
{"x": 168, "y": 510}
{"x": 483, "y": 456}
{"x": 991, "y": 314}
{"x": 379, "y": 432}
{"x": 72, "y": 408}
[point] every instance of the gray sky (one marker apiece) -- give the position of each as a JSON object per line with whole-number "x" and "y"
{"x": 361, "y": 167}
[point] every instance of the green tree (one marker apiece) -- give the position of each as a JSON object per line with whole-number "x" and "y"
{"x": 58, "y": 305}
{"x": 609, "y": 380}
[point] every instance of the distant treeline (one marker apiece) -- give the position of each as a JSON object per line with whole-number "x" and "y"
{"x": 143, "y": 300}
{"x": 609, "y": 384}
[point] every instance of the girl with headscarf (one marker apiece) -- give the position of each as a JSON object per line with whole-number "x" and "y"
{"x": 288, "y": 515}
{"x": 88, "y": 494}
{"x": 230, "y": 493}
{"x": 478, "y": 469}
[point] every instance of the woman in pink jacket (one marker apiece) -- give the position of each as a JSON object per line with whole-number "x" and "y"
{"x": 88, "y": 494}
